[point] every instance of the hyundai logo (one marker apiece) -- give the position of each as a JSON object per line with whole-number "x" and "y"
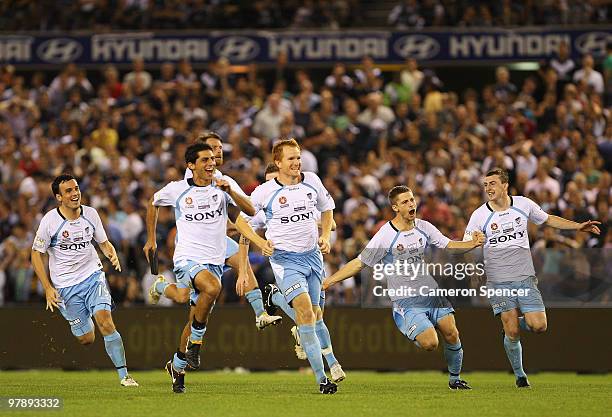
{"x": 593, "y": 43}
{"x": 417, "y": 47}
{"x": 59, "y": 50}
{"x": 237, "y": 48}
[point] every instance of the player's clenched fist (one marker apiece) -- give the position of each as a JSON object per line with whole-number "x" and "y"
{"x": 478, "y": 238}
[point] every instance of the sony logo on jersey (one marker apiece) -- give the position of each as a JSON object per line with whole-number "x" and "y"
{"x": 73, "y": 246}
{"x": 204, "y": 216}
{"x": 505, "y": 238}
{"x": 297, "y": 217}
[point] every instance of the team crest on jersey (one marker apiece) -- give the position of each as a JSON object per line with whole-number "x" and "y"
{"x": 215, "y": 197}
{"x": 420, "y": 241}
{"x": 282, "y": 199}
{"x": 65, "y": 234}
{"x": 400, "y": 247}
{"x": 86, "y": 229}
{"x": 309, "y": 195}
{"x": 518, "y": 220}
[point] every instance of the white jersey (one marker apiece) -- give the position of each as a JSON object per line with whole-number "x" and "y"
{"x": 290, "y": 211}
{"x": 401, "y": 247}
{"x": 506, "y": 250}
{"x": 218, "y": 174}
{"x": 201, "y": 219}
{"x": 72, "y": 256}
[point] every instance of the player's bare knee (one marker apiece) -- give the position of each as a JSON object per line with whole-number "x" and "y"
{"x": 539, "y": 327}
{"x": 513, "y": 333}
{"x": 87, "y": 339}
{"x": 451, "y": 336}
{"x": 429, "y": 344}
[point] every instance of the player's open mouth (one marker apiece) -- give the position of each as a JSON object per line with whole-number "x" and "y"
{"x": 75, "y": 198}
{"x": 412, "y": 212}
{"x": 491, "y": 194}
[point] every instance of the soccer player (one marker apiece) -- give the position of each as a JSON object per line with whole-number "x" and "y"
{"x": 508, "y": 263}
{"x": 234, "y": 258}
{"x": 202, "y": 206}
{"x": 289, "y": 202}
{"x": 274, "y": 299}
{"x": 404, "y": 240}
{"x": 78, "y": 287}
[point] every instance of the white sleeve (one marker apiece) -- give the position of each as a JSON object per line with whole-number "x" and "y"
{"x": 166, "y": 196}
{"x": 473, "y": 226}
{"x": 435, "y": 236}
{"x": 188, "y": 174}
{"x": 234, "y": 185}
{"x": 375, "y": 250}
{"x": 257, "y": 197}
{"x": 536, "y": 214}
{"x": 324, "y": 201}
{"x": 99, "y": 232}
{"x": 42, "y": 240}
{"x": 257, "y": 222}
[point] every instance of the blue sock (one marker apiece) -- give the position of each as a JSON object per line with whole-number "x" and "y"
{"x": 514, "y": 350}
{"x": 197, "y": 331}
{"x": 179, "y": 361}
{"x": 114, "y": 347}
{"x": 279, "y": 300}
{"x": 312, "y": 347}
{"x": 523, "y": 324}
{"x": 454, "y": 359}
{"x": 160, "y": 287}
{"x": 255, "y": 299}
{"x": 326, "y": 345}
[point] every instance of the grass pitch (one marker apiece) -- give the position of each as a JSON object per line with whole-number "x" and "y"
{"x": 97, "y": 393}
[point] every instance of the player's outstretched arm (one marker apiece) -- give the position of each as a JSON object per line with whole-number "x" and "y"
{"x": 327, "y": 218}
{"x": 349, "y": 270}
{"x": 247, "y": 231}
{"x": 151, "y": 244}
{"x": 109, "y": 251}
{"x": 51, "y": 293}
{"x": 478, "y": 239}
{"x": 565, "y": 224}
{"x": 241, "y": 200}
{"x": 243, "y": 265}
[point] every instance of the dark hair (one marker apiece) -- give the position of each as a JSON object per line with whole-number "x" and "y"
{"x": 191, "y": 154}
{"x": 397, "y": 190}
{"x": 60, "y": 179}
{"x": 271, "y": 169}
{"x": 202, "y": 137}
{"x": 503, "y": 174}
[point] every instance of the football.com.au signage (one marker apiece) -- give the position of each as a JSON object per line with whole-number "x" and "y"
{"x": 301, "y": 47}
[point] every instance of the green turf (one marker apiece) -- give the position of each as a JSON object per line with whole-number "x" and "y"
{"x": 412, "y": 394}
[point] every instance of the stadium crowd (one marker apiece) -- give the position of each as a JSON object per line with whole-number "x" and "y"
{"x": 363, "y": 131}
{"x": 101, "y": 15}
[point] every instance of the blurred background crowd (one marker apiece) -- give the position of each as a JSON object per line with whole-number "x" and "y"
{"x": 363, "y": 130}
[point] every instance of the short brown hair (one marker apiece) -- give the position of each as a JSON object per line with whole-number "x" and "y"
{"x": 277, "y": 149}
{"x": 503, "y": 174}
{"x": 271, "y": 168}
{"x": 397, "y": 190}
{"x": 202, "y": 137}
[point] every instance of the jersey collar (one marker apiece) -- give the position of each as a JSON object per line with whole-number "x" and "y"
{"x": 192, "y": 183}
{"x": 62, "y": 216}
{"x": 279, "y": 183}
{"x": 493, "y": 211}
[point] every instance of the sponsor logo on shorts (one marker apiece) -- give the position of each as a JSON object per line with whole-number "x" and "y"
{"x": 498, "y": 305}
{"x": 411, "y": 329}
{"x": 292, "y": 288}
{"x": 74, "y": 322}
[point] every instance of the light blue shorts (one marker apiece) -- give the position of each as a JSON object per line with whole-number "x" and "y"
{"x": 413, "y": 318}
{"x": 186, "y": 271}
{"x": 231, "y": 250}
{"x": 298, "y": 273}
{"x": 530, "y": 302}
{"x": 81, "y": 301}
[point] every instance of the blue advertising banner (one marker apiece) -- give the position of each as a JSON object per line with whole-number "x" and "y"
{"x": 451, "y": 46}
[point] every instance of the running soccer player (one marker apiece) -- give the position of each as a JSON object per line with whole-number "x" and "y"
{"x": 233, "y": 258}
{"x": 273, "y": 299}
{"x": 78, "y": 287}
{"x": 508, "y": 263}
{"x": 202, "y": 205}
{"x": 289, "y": 202}
{"x": 404, "y": 239}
